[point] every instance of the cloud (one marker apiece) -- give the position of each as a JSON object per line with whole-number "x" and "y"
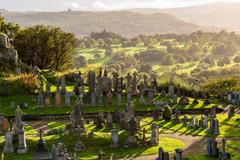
{"x": 71, "y": 5}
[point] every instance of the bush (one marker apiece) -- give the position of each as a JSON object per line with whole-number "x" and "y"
{"x": 145, "y": 68}
{"x": 168, "y": 60}
{"x": 167, "y": 113}
{"x": 236, "y": 59}
{"x": 24, "y": 83}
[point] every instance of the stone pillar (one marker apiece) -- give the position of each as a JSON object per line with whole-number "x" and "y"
{"x": 22, "y": 146}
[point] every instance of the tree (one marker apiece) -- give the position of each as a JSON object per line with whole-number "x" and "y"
{"x": 9, "y": 29}
{"x": 45, "y": 46}
{"x": 194, "y": 49}
{"x": 168, "y": 60}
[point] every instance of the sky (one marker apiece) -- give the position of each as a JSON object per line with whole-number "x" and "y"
{"x": 96, "y": 5}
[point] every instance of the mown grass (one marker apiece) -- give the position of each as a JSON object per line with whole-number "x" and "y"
{"x": 34, "y": 109}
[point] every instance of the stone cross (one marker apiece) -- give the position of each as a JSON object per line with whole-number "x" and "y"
{"x": 22, "y": 146}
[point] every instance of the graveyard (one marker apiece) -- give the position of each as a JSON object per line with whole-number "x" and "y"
{"x": 105, "y": 117}
{"x": 153, "y": 88}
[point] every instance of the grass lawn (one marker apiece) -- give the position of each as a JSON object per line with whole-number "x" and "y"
{"x": 100, "y": 140}
{"x": 34, "y": 109}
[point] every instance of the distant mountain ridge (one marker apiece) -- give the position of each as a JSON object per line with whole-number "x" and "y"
{"x": 125, "y": 23}
{"x": 219, "y": 14}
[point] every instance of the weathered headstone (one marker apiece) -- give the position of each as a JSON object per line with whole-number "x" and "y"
{"x": 67, "y": 99}
{"x": 109, "y": 97}
{"x": 8, "y": 147}
{"x": 63, "y": 85}
{"x": 178, "y": 155}
{"x": 109, "y": 120}
{"x": 58, "y": 97}
{"x": 154, "y": 136}
{"x": 115, "y": 139}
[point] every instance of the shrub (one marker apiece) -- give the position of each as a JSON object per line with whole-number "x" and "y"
{"x": 168, "y": 60}
{"x": 24, "y": 83}
{"x": 167, "y": 113}
{"x": 236, "y": 59}
{"x": 145, "y": 68}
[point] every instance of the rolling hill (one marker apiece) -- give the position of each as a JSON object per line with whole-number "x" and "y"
{"x": 126, "y": 23}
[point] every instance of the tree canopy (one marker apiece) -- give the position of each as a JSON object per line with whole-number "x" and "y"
{"x": 45, "y": 46}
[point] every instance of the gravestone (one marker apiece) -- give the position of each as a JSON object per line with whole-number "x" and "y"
{"x": 129, "y": 84}
{"x": 8, "y": 147}
{"x": 115, "y": 139}
{"x": 91, "y": 81}
{"x": 22, "y": 146}
{"x": 155, "y": 114}
{"x": 67, "y": 99}
{"x": 155, "y": 85}
{"x": 184, "y": 100}
{"x": 63, "y": 85}
{"x": 154, "y": 136}
{"x": 141, "y": 99}
{"x": 116, "y": 115}
{"x": 150, "y": 96}
{"x": 47, "y": 102}
{"x": 119, "y": 99}
{"x": 135, "y": 91}
{"x": 192, "y": 120}
{"x": 132, "y": 128}
{"x": 79, "y": 146}
{"x": 162, "y": 155}
{"x": 93, "y": 98}
{"x": 201, "y": 121}
{"x": 196, "y": 123}
{"x": 216, "y": 127}
{"x": 231, "y": 111}
{"x": 163, "y": 93}
{"x": 58, "y": 97}
{"x": 41, "y": 145}
{"x": 109, "y": 120}
{"x": 48, "y": 88}
{"x": 129, "y": 95}
{"x": 40, "y": 99}
{"x": 145, "y": 83}
{"x": 205, "y": 121}
{"x": 185, "y": 120}
{"x": 109, "y": 97}
{"x": 212, "y": 124}
{"x": 178, "y": 155}
{"x": 106, "y": 82}
{"x": 99, "y": 121}
{"x": 171, "y": 91}
{"x": 223, "y": 154}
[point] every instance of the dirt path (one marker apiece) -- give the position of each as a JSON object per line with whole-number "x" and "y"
{"x": 192, "y": 142}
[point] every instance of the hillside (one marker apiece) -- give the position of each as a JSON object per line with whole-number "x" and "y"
{"x": 125, "y": 23}
{"x": 219, "y": 14}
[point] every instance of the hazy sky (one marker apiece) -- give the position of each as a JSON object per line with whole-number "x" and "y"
{"x": 46, "y": 5}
